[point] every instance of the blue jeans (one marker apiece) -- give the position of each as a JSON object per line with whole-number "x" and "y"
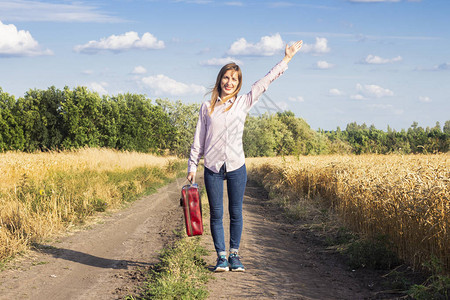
{"x": 236, "y": 181}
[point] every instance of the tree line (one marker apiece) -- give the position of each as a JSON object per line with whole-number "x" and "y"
{"x": 55, "y": 119}
{"x": 416, "y": 139}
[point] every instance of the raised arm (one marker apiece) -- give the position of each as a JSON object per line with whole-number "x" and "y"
{"x": 290, "y": 51}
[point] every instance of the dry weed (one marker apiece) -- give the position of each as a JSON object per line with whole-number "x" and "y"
{"x": 43, "y": 193}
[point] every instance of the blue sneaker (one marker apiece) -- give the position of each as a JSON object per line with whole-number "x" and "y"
{"x": 235, "y": 263}
{"x": 222, "y": 264}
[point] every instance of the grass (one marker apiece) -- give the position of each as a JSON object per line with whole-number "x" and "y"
{"x": 377, "y": 198}
{"x": 371, "y": 253}
{"x": 42, "y": 194}
{"x": 435, "y": 287}
{"x": 182, "y": 272}
{"x": 404, "y": 198}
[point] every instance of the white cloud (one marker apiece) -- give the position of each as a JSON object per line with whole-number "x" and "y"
{"x": 267, "y": 46}
{"x": 99, "y": 87}
{"x": 372, "y": 90}
{"x": 381, "y": 106}
{"x": 15, "y": 42}
{"x": 296, "y": 99}
{"x": 139, "y": 70}
{"x": 123, "y": 42}
{"x": 281, "y": 4}
{"x": 425, "y": 99}
{"x": 220, "y": 61}
{"x": 87, "y": 72}
{"x": 162, "y": 85}
{"x": 335, "y": 92}
{"x": 28, "y": 11}
{"x": 282, "y": 105}
{"x": 234, "y": 3}
{"x": 321, "y": 64}
{"x": 358, "y": 97}
{"x": 320, "y": 47}
{"x": 373, "y": 59}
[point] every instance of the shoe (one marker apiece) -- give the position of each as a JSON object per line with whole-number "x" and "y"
{"x": 222, "y": 264}
{"x": 235, "y": 263}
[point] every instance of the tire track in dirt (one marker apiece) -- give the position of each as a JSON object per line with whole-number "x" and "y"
{"x": 102, "y": 262}
{"x": 281, "y": 261}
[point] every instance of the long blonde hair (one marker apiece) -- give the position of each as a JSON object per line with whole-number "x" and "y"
{"x": 217, "y": 90}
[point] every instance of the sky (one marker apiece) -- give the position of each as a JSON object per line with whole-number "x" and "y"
{"x": 378, "y": 62}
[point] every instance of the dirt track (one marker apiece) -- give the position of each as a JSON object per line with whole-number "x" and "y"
{"x": 103, "y": 262}
{"x": 283, "y": 262}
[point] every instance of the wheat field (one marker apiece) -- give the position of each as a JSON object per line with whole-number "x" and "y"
{"x": 406, "y": 198}
{"x": 44, "y": 193}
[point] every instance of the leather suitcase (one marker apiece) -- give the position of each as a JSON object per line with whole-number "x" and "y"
{"x": 192, "y": 207}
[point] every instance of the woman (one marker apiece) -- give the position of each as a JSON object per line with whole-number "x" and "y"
{"x": 218, "y": 137}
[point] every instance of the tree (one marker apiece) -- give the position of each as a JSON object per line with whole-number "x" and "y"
{"x": 142, "y": 126}
{"x": 80, "y": 110}
{"x": 258, "y": 137}
{"x": 358, "y": 137}
{"x": 417, "y": 138}
{"x": 446, "y": 128}
{"x": 39, "y": 116}
{"x": 11, "y": 134}
{"x": 304, "y": 137}
{"x": 108, "y": 127}
{"x": 183, "y": 117}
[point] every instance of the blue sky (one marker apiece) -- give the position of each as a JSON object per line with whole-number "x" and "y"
{"x": 381, "y": 62}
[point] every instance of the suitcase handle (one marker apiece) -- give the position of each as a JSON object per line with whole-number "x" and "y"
{"x": 194, "y": 185}
{"x": 181, "y": 198}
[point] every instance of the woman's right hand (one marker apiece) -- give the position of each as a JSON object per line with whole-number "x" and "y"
{"x": 191, "y": 177}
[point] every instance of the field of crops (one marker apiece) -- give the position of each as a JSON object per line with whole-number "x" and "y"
{"x": 44, "y": 193}
{"x": 406, "y": 198}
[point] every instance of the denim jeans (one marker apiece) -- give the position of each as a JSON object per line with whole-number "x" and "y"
{"x": 236, "y": 181}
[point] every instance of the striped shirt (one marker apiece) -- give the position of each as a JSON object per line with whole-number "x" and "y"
{"x": 218, "y": 137}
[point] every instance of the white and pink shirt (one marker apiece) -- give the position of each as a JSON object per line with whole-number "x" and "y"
{"x": 218, "y": 137}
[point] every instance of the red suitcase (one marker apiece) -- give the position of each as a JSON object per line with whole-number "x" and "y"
{"x": 192, "y": 206}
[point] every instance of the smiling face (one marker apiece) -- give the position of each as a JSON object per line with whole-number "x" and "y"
{"x": 228, "y": 83}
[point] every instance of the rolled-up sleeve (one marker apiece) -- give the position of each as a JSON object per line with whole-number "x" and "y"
{"x": 198, "y": 146}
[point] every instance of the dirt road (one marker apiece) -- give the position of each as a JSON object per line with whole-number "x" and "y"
{"x": 103, "y": 262}
{"x": 284, "y": 262}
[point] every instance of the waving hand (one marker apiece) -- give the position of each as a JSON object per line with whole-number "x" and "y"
{"x": 290, "y": 51}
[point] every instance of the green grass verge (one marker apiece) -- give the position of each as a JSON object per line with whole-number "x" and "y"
{"x": 181, "y": 274}
{"x": 435, "y": 287}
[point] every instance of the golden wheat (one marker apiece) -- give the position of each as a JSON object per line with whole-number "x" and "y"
{"x": 406, "y": 198}
{"x": 43, "y": 193}
{"x": 14, "y": 165}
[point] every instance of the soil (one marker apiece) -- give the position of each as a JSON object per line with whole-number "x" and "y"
{"x": 105, "y": 261}
{"x": 283, "y": 261}
{"x": 108, "y": 260}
